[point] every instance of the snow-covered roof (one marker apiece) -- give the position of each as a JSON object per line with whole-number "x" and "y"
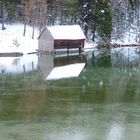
{"x": 66, "y": 32}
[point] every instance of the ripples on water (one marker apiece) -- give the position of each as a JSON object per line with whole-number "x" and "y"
{"x": 102, "y": 103}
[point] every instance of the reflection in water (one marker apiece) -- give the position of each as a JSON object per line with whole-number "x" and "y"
{"x": 15, "y": 65}
{"x": 53, "y": 67}
{"x": 46, "y": 64}
{"x": 67, "y": 71}
{"x": 115, "y": 132}
{"x": 68, "y": 135}
{"x": 33, "y": 104}
{"x": 102, "y": 103}
{"x": 125, "y": 57}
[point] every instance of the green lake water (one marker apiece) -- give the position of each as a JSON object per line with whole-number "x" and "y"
{"x": 103, "y": 103}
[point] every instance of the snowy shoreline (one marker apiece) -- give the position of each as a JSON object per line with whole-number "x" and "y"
{"x": 12, "y": 41}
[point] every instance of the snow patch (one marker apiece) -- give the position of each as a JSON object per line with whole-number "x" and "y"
{"x": 12, "y": 39}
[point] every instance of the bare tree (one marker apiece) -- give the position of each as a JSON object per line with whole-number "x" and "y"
{"x": 25, "y": 14}
{"x": 2, "y": 2}
{"x": 126, "y": 18}
{"x": 34, "y": 14}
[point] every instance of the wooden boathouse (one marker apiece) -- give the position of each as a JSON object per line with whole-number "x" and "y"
{"x": 61, "y": 37}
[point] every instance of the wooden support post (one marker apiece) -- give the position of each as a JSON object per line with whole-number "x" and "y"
{"x": 68, "y": 49}
{"x": 24, "y": 68}
{"x": 93, "y": 57}
{"x": 32, "y": 66}
{"x": 79, "y": 50}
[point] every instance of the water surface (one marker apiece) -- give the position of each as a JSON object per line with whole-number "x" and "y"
{"x": 102, "y": 103}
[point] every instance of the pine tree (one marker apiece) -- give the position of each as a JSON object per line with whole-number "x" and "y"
{"x": 10, "y": 9}
{"x": 63, "y": 12}
{"x": 104, "y": 20}
{"x": 97, "y": 17}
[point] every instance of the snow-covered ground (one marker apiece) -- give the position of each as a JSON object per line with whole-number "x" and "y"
{"x": 12, "y": 39}
{"x": 129, "y": 36}
{"x": 89, "y": 46}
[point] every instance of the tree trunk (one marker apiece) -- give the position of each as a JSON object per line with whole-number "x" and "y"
{"x": 24, "y": 32}
{"x": 86, "y": 30}
{"x": 3, "y": 17}
{"x": 33, "y": 32}
{"x": 93, "y": 32}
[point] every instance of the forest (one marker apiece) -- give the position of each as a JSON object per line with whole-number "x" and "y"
{"x": 101, "y": 20}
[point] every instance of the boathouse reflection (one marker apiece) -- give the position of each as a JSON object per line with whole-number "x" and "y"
{"x": 70, "y": 66}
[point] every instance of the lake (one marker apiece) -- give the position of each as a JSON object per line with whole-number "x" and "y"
{"x": 100, "y": 102}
